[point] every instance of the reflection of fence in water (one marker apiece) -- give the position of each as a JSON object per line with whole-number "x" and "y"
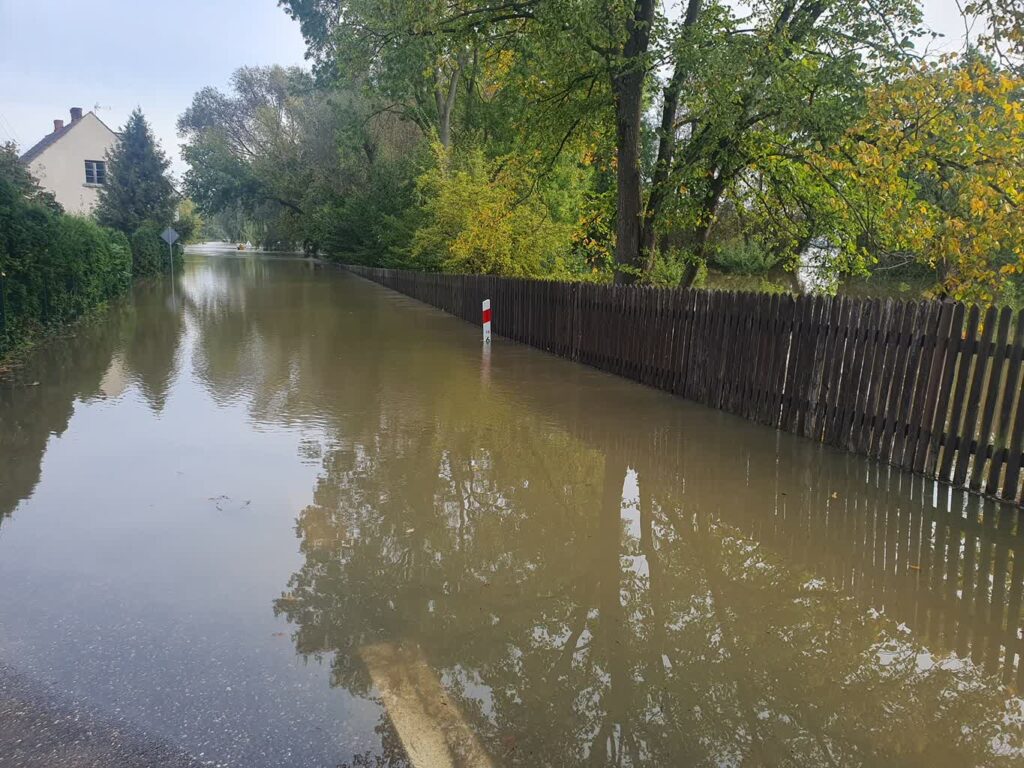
{"x": 926, "y": 386}
{"x": 948, "y": 563}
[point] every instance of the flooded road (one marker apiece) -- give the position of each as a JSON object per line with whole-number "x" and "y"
{"x": 285, "y": 517}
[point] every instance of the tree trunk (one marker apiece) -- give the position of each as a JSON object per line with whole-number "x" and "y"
{"x": 627, "y": 132}
{"x": 444, "y": 99}
{"x": 662, "y": 168}
{"x": 628, "y": 87}
{"x": 700, "y": 237}
{"x": 666, "y": 147}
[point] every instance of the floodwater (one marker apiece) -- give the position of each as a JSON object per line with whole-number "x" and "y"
{"x": 276, "y": 515}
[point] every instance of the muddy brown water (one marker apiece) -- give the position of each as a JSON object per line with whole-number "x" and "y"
{"x": 281, "y": 516}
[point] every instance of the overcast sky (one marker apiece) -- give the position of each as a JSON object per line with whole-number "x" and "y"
{"x": 112, "y": 55}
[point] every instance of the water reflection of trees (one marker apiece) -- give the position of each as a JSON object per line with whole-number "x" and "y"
{"x": 758, "y": 601}
{"x": 266, "y": 331}
{"x": 133, "y": 341}
{"x": 152, "y": 339}
{"x": 750, "y": 598}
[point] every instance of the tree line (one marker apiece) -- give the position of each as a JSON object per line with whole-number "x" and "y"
{"x": 608, "y": 140}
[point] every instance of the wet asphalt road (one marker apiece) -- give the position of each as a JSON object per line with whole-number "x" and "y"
{"x": 39, "y": 729}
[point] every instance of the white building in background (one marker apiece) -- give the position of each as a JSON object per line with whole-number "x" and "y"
{"x": 71, "y": 162}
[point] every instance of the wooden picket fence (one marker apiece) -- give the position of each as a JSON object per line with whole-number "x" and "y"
{"x": 931, "y": 387}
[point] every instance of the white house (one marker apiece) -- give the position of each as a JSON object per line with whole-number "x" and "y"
{"x": 71, "y": 162}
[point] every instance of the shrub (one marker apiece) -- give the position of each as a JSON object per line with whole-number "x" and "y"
{"x": 375, "y": 223}
{"x": 668, "y": 268}
{"x": 53, "y": 267}
{"x": 94, "y": 264}
{"x": 481, "y": 217}
{"x": 149, "y": 251}
{"x": 744, "y": 257}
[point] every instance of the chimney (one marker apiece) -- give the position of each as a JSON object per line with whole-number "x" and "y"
{"x": 57, "y": 125}
{"x": 76, "y": 114}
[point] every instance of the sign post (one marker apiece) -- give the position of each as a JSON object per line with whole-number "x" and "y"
{"x": 170, "y": 237}
{"x": 487, "y": 321}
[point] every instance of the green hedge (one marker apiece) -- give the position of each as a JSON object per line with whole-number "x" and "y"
{"x": 53, "y": 267}
{"x": 149, "y": 251}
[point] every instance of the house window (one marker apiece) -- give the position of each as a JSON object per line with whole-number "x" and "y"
{"x": 95, "y": 172}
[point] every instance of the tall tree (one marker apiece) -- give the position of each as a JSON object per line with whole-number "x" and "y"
{"x": 781, "y": 73}
{"x": 411, "y": 67}
{"x": 268, "y": 148}
{"x": 138, "y": 188}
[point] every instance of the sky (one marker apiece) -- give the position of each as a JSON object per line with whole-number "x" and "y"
{"x": 113, "y": 55}
{"x": 119, "y": 54}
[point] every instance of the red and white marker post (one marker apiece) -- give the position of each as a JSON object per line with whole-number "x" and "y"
{"x": 487, "y": 321}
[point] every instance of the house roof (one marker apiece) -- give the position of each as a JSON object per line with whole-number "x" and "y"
{"x": 54, "y": 136}
{"x": 45, "y": 142}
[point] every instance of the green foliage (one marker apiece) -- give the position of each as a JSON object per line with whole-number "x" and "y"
{"x": 375, "y": 223}
{"x": 138, "y": 188}
{"x": 746, "y": 257}
{"x": 671, "y": 266}
{"x": 261, "y": 151}
{"x": 150, "y": 252}
{"x": 188, "y": 223}
{"x": 484, "y": 218}
{"x": 553, "y": 158}
{"x": 16, "y": 174}
{"x": 53, "y": 268}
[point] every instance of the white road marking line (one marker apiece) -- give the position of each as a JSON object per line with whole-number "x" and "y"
{"x": 433, "y": 731}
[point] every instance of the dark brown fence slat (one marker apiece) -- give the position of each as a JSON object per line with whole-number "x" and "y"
{"x": 853, "y": 370}
{"x": 930, "y": 387}
{"x": 1003, "y": 428}
{"x": 918, "y": 352}
{"x": 954, "y": 343}
{"x": 818, "y": 326}
{"x": 939, "y": 347}
{"x": 765, "y": 385}
{"x": 835, "y": 370}
{"x": 981, "y": 367}
{"x": 1013, "y": 462}
{"x": 823, "y": 382}
{"x": 952, "y": 426}
{"x": 878, "y": 377}
{"x": 899, "y": 376}
{"x": 862, "y": 366}
{"x": 995, "y": 377}
{"x": 915, "y": 424}
{"x": 801, "y": 321}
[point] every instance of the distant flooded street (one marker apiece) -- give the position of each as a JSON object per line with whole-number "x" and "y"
{"x": 281, "y": 516}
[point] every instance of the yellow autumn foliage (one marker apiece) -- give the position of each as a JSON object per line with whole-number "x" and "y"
{"x": 484, "y": 216}
{"x": 936, "y": 169}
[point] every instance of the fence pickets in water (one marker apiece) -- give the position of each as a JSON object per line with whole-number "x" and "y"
{"x": 927, "y": 386}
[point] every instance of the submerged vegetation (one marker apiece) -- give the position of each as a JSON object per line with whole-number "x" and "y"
{"x": 609, "y": 140}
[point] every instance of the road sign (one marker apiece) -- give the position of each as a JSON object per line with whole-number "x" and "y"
{"x": 169, "y": 236}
